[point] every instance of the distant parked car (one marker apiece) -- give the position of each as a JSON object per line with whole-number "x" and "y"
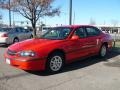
{"x": 45, "y": 29}
{"x": 57, "y": 47}
{"x": 13, "y": 35}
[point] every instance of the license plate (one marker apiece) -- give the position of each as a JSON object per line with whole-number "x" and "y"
{"x": 7, "y": 61}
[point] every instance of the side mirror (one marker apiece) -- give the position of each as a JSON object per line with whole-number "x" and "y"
{"x": 75, "y": 37}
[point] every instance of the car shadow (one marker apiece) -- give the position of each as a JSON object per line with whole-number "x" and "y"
{"x": 4, "y": 45}
{"x": 82, "y": 63}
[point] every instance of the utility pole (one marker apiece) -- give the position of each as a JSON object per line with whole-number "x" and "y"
{"x": 74, "y": 19}
{"x": 13, "y": 20}
{"x": 9, "y": 14}
{"x": 70, "y": 13}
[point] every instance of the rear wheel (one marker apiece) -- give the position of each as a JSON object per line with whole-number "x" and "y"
{"x": 103, "y": 51}
{"x": 55, "y": 62}
{"x": 15, "y": 40}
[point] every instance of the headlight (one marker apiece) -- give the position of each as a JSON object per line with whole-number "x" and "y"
{"x": 27, "y": 53}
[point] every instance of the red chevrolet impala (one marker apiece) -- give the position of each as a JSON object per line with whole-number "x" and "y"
{"x": 58, "y": 46}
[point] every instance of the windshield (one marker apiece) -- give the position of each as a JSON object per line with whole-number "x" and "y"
{"x": 56, "y": 33}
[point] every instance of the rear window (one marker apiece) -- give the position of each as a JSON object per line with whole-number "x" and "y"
{"x": 91, "y": 31}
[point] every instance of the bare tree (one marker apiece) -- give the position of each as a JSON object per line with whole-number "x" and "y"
{"x": 114, "y": 22}
{"x": 32, "y": 9}
{"x": 6, "y": 5}
{"x": 92, "y": 21}
{"x": 1, "y": 17}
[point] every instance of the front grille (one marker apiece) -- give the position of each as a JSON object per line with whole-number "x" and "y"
{"x": 10, "y": 52}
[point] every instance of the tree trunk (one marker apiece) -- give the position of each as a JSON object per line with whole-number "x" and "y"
{"x": 34, "y": 30}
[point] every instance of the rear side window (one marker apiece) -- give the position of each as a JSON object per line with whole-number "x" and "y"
{"x": 91, "y": 31}
{"x": 19, "y": 30}
{"x": 80, "y": 32}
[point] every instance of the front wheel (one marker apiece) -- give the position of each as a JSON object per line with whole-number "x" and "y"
{"x": 55, "y": 62}
{"x": 103, "y": 51}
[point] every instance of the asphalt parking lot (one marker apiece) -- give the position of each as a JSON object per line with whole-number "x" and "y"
{"x": 89, "y": 74}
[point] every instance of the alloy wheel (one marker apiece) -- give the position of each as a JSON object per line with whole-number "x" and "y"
{"x": 103, "y": 51}
{"x": 56, "y": 63}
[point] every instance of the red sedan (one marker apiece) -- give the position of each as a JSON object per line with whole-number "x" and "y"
{"x": 58, "y": 46}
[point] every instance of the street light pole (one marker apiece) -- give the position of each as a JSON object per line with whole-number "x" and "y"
{"x": 13, "y": 20}
{"x": 70, "y": 13}
{"x": 9, "y": 14}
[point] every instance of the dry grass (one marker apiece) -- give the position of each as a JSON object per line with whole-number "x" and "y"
{"x": 117, "y": 44}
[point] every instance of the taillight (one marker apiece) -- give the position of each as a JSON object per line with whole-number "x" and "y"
{"x": 5, "y": 35}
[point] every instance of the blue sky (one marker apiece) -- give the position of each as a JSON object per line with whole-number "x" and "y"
{"x": 102, "y": 11}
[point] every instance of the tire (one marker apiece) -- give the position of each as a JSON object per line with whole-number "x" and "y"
{"x": 55, "y": 63}
{"x": 31, "y": 36}
{"x": 103, "y": 51}
{"x": 15, "y": 40}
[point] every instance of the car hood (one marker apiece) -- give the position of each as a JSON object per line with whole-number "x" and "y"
{"x": 32, "y": 44}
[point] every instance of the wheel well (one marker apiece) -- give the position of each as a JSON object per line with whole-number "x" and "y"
{"x": 106, "y": 44}
{"x": 16, "y": 38}
{"x": 57, "y": 51}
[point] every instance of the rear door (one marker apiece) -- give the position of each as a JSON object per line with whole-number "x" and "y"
{"x": 93, "y": 39}
{"x": 27, "y": 33}
{"x": 22, "y": 33}
{"x": 19, "y": 34}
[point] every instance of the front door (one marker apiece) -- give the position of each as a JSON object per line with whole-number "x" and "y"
{"x": 78, "y": 48}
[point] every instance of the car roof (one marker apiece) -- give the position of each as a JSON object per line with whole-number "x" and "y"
{"x": 76, "y": 26}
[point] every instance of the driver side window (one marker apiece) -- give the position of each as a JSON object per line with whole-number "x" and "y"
{"x": 80, "y": 32}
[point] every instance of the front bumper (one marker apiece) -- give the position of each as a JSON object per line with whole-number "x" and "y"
{"x": 31, "y": 64}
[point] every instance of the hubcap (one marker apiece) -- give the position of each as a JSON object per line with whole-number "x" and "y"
{"x": 16, "y": 40}
{"x": 103, "y": 51}
{"x": 56, "y": 63}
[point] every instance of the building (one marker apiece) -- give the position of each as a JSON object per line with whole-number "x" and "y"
{"x": 109, "y": 28}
